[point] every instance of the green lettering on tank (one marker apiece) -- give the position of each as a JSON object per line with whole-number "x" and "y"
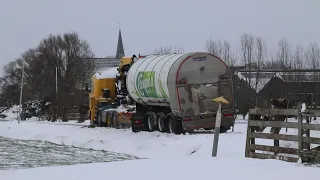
{"x": 163, "y": 92}
{"x": 145, "y": 84}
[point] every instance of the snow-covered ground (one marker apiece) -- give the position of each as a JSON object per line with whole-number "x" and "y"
{"x": 169, "y": 156}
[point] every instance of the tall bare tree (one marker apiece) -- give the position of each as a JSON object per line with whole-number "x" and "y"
{"x": 298, "y": 63}
{"x": 164, "y": 50}
{"x": 298, "y": 59}
{"x": 283, "y": 54}
{"x": 247, "y": 52}
{"x": 284, "y": 58}
{"x": 68, "y": 54}
{"x": 10, "y": 83}
{"x": 222, "y": 50}
{"x": 215, "y": 47}
{"x": 313, "y": 55}
{"x": 313, "y": 59}
{"x": 260, "y": 56}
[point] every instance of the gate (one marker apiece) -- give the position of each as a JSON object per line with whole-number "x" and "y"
{"x": 304, "y": 140}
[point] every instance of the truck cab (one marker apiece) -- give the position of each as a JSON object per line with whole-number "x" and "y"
{"x": 106, "y": 90}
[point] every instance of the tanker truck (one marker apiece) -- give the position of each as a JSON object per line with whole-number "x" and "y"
{"x": 173, "y": 93}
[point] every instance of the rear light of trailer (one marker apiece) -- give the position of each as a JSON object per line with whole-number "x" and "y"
{"x": 228, "y": 115}
{"x": 187, "y": 119}
{"x": 137, "y": 121}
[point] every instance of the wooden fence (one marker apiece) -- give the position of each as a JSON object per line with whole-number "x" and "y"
{"x": 290, "y": 154}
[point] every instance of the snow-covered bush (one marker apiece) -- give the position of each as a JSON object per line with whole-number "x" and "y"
{"x": 32, "y": 108}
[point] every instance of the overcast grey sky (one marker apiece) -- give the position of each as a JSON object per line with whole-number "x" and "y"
{"x": 147, "y": 24}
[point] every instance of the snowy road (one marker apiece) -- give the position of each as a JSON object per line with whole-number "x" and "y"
{"x": 18, "y": 154}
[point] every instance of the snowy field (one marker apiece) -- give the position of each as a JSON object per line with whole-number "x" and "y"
{"x": 20, "y": 154}
{"x": 168, "y": 156}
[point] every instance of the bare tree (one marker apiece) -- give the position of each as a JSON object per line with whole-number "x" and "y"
{"x": 284, "y": 58}
{"x": 260, "y": 57}
{"x": 283, "y": 54}
{"x": 164, "y": 50}
{"x": 222, "y": 50}
{"x": 298, "y": 63}
{"x": 269, "y": 62}
{"x": 313, "y": 56}
{"x": 298, "y": 59}
{"x": 10, "y": 83}
{"x": 313, "y": 59}
{"x": 215, "y": 47}
{"x": 247, "y": 52}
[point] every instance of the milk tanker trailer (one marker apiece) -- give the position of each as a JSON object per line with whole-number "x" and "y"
{"x": 173, "y": 93}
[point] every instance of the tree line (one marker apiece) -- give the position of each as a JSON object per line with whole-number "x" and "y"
{"x": 62, "y": 57}
{"x": 253, "y": 53}
{"x": 254, "y": 50}
{"x": 66, "y": 55}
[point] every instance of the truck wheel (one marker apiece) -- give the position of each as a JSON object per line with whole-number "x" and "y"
{"x": 224, "y": 129}
{"x": 175, "y": 126}
{"x": 150, "y": 120}
{"x": 162, "y": 122}
{"x": 99, "y": 118}
{"x": 134, "y": 129}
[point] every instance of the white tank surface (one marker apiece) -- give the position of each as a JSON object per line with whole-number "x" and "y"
{"x": 166, "y": 80}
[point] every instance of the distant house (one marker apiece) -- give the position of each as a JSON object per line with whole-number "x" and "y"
{"x": 297, "y": 87}
{"x": 257, "y": 88}
{"x": 244, "y": 95}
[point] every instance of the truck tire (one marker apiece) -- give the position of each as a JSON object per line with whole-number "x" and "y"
{"x": 151, "y": 121}
{"x": 224, "y": 129}
{"x": 115, "y": 120}
{"x": 99, "y": 118}
{"x": 175, "y": 126}
{"x": 162, "y": 122}
{"x": 135, "y": 130}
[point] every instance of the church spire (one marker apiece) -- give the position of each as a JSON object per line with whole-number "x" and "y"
{"x": 120, "y": 50}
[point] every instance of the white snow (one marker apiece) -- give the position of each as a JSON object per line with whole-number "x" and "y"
{"x": 303, "y": 107}
{"x": 252, "y": 81}
{"x": 170, "y": 156}
{"x": 11, "y": 113}
{"x": 187, "y": 169}
{"x": 108, "y": 73}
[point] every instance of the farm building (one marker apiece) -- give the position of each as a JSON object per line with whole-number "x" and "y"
{"x": 302, "y": 87}
{"x": 257, "y": 88}
{"x": 245, "y": 96}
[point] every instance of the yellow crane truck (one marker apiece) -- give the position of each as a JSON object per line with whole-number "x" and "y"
{"x": 104, "y": 97}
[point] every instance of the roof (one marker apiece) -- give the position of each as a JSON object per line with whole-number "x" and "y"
{"x": 264, "y": 77}
{"x": 251, "y": 79}
{"x": 107, "y": 73}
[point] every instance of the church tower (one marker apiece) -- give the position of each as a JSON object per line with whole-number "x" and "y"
{"x": 120, "y": 50}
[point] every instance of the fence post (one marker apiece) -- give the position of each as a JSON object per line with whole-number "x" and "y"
{"x": 219, "y": 100}
{"x": 247, "y": 150}
{"x": 300, "y": 129}
{"x": 307, "y": 133}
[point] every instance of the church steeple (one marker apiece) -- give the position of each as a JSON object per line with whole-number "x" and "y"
{"x": 120, "y": 50}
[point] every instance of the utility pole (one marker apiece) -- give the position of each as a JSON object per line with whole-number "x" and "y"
{"x": 21, "y": 90}
{"x": 57, "y": 93}
{"x": 221, "y": 101}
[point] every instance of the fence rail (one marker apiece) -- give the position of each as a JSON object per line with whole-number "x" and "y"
{"x": 289, "y": 154}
